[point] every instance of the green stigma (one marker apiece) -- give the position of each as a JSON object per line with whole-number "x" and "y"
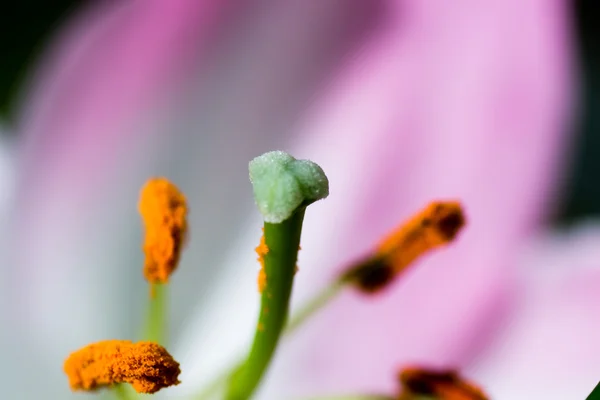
{"x": 282, "y": 184}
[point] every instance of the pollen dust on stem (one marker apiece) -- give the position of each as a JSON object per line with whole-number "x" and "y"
{"x": 147, "y": 366}
{"x": 164, "y": 213}
{"x": 262, "y": 250}
{"x": 437, "y": 384}
{"x": 435, "y": 226}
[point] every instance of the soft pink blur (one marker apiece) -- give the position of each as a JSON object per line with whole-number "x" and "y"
{"x": 548, "y": 348}
{"x": 112, "y": 65}
{"x": 428, "y": 100}
{"x": 79, "y": 126}
{"x": 466, "y": 101}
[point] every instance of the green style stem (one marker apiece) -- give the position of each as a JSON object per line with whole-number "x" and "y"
{"x": 283, "y": 241}
{"x": 314, "y": 305}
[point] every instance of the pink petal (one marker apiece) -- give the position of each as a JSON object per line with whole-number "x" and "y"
{"x": 549, "y": 348}
{"x": 460, "y": 100}
{"x": 111, "y": 64}
{"x": 431, "y": 102}
{"x": 133, "y": 90}
{"x": 111, "y": 67}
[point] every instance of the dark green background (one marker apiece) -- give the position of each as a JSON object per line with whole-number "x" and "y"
{"x": 26, "y": 25}
{"x": 29, "y": 24}
{"x": 583, "y": 194}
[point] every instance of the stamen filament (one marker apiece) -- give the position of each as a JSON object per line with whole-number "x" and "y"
{"x": 122, "y": 393}
{"x": 436, "y": 225}
{"x": 164, "y": 210}
{"x": 156, "y": 323}
{"x": 215, "y": 385}
{"x": 314, "y": 305}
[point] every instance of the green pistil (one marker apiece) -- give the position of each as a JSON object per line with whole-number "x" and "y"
{"x": 283, "y": 184}
{"x": 283, "y": 188}
{"x": 295, "y": 321}
{"x": 280, "y": 263}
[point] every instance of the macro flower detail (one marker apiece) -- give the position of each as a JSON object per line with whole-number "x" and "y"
{"x": 147, "y": 366}
{"x": 398, "y": 101}
{"x": 435, "y": 226}
{"x": 283, "y": 188}
{"x": 164, "y": 212}
{"x": 418, "y": 383}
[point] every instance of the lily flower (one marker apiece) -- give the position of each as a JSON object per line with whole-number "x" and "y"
{"x": 400, "y": 102}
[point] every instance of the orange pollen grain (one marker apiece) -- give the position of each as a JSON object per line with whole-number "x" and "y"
{"x": 435, "y": 226}
{"x": 164, "y": 213}
{"x": 441, "y": 385}
{"x": 262, "y": 250}
{"x": 147, "y": 366}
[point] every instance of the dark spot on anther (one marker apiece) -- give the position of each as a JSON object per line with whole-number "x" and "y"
{"x": 425, "y": 382}
{"x": 370, "y": 276}
{"x": 450, "y": 224}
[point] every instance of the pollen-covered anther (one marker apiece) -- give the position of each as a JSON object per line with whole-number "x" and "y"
{"x": 147, "y": 366}
{"x": 435, "y": 226}
{"x": 164, "y": 213}
{"x": 419, "y": 383}
{"x": 262, "y": 250}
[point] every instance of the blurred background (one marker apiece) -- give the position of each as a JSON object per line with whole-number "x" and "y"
{"x": 28, "y": 34}
{"x": 402, "y": 101}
